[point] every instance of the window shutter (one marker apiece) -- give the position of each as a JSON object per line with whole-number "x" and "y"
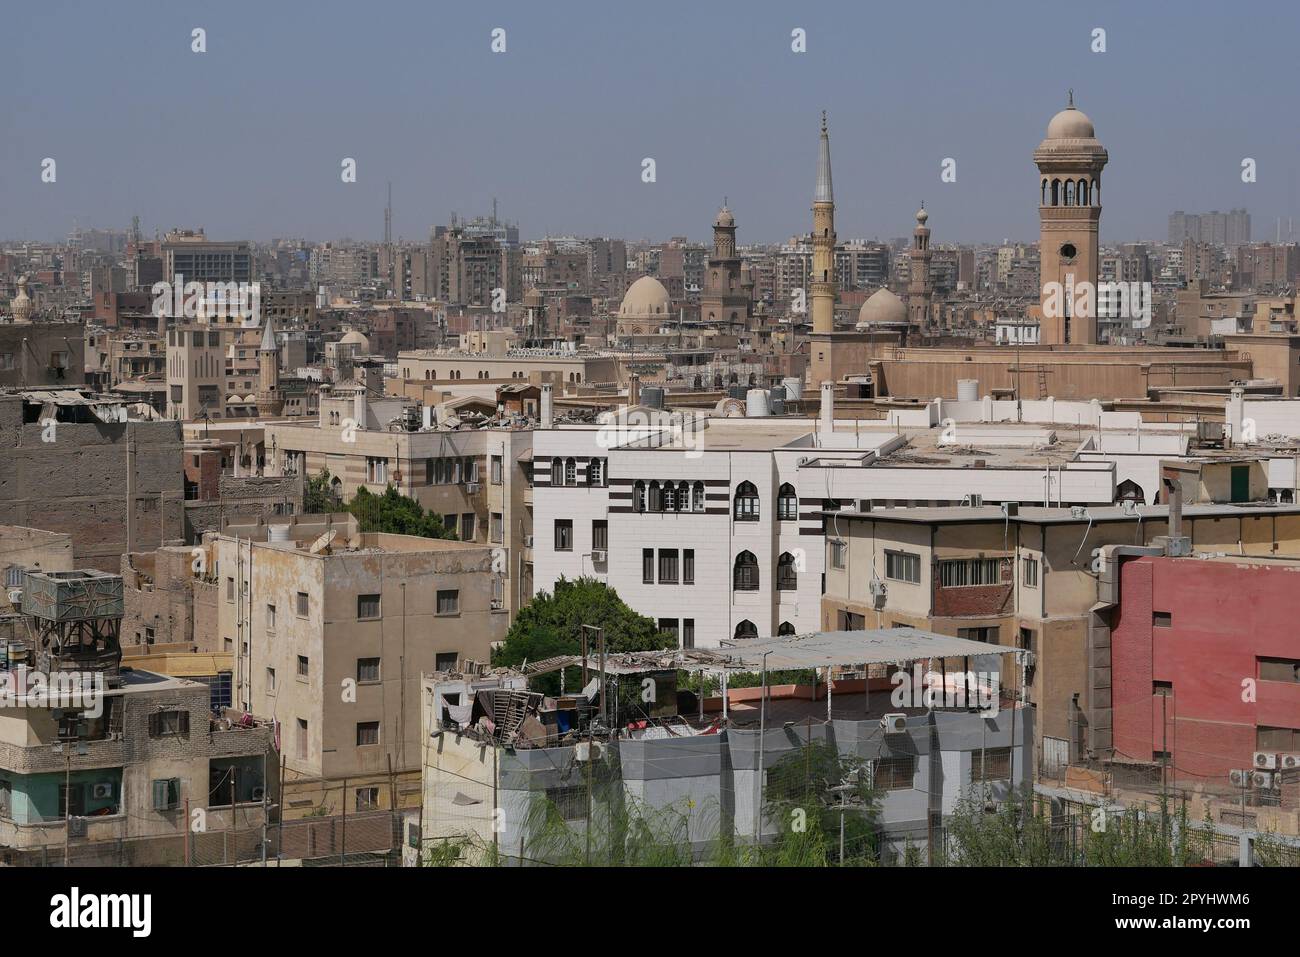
{"x": 160, "y": 795}
{"x": 184, "y": 722}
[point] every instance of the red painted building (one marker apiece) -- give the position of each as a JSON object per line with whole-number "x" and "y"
{"x": 1205, "y": 663}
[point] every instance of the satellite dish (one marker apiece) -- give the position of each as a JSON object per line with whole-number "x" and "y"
{"x": 322, "y": 544}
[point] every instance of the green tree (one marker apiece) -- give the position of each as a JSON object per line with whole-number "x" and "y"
{"x": 396, "y": 514}
{"x": 550, "y": 625}
{"x": 317, "y": 495}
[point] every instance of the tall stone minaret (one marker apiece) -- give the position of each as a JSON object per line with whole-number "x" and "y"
{"x": 270, "y": 401}
{"x": 918, "y": 286}
{"x": 823, "y": 241}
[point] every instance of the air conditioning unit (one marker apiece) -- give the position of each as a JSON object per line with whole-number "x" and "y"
{"x": 1262, "y": 780}
{"x": 528, "y": 541}
{"x": 1239, "y": 779}
{"x": 102, "y": 790}
{"x": 1289, "y": 761}
{"x": 258, "y": 793}
{"x": 587, "y": 751}
{"x": 878, "y": 590}
{"x": 1265, "y": 761}
{"x": 599, "y": 555}
{"x": 76, "y": 827}
{"x": 975, "y": 500}
{"x": 471, "y": 488}
{"x": 894, "y": 723}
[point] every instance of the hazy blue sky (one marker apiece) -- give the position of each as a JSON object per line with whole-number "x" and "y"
{"x": 246, "y": 139}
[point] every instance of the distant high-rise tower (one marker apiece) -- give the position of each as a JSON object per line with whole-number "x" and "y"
{"x": 1070, "y": 161}
{"x": 919, "y": 288}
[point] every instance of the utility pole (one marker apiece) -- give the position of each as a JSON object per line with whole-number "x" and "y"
{"x": 758, "y": 771}
{"x": 67, "y": 802}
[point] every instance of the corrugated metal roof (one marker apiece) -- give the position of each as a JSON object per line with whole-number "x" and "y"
{"x": 879, "y": 646}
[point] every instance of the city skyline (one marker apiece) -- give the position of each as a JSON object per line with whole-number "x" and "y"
{"x": 724, "y": 107}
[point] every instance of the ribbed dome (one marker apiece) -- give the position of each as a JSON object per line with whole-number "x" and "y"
{"x": 1070, "y": 124}
{"x": 881, "y": 308}
{"x": 645, "y": 299}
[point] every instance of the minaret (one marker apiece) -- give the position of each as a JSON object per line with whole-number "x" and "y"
{"x": 21, "y": 305}
{"x": 723, "y": 298}
{"x": 1070, "y": 161}
{"x": 918, "y": 287}
{"x": 269, "y": 399}
{"x": 823, "y": 240}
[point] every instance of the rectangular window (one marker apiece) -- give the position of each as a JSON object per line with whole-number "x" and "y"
{"x": 688, "y": 566}
{"x": 1031, "y": 572}
{"x": 367, "y": 670}
{"x": 498, "y": 527}
{"x": 1162, "y": 689}
{"x": 970, "y": 571}
{"x": 169, "y": 724}
{"x": 302, "y": 738}
{"x": 376, "y": 470}
{"x": 838, "y": 550}
{"x": 991, "y": 764}
{"x": 270, "y": 681}
{"x": 367, "y": 733}
{"x": 166, "y": 793}
{"x": 230, "y": 589}
{"x": 367, "y": 606}
{"x": 367, "y": 799}
{"x": 903, "y": 567}
{"x": 270, "y": 617}
{"x": 303, "y": 666}
{"x": 1279, "y": 669}
{"x": 647, "y": 566}
{"x": 894, "y": 773}
{"x": 564, "y": 534}
{"x": 467, "y": 527}
{"x": 570, "y": 802}
{"x": 1162, "y": 619}
{"x": 688, "y": 632}
{"x": 987, "y": 635}
{"x": 600, "y": 534}
{"x": 669, "y": 625}
{"x": 446, "y": 661}
{"x": 668, "y": 566}
{"x": 496, "y": 470}
{"x": 302, "y": 604}
{"x": 448, "y": 601}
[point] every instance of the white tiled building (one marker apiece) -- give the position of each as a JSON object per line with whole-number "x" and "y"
{"x": 714, "y": 526}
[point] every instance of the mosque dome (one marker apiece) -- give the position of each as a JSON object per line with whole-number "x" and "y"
{"x": 645, "y": 299}
{"x": 882, "y": 308}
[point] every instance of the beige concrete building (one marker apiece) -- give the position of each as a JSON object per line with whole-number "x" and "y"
{"x": 1027, "y": 579}
{"x": 330, "y": 636}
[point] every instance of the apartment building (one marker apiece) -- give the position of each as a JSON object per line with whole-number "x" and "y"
{"x": 331, "y": 629}
{"x": 1031, "y": 578}
{"x": 476, "y": 479}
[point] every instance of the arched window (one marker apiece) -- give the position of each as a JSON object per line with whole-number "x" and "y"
{"x": 746, "y": 505}
{"x": 745, "y": 577}
{"x": 683, "y": 497}
{"x": 1069, "y": 192}
{"x": 785, "y": 629}
{"x": 787, "y": 576}
{"x": 670, "y": 497}
{"x": 787, "y": 503}
{"x": 746, "y": 629}
{"x": 1056, "y": 192}
{"x": 1043, "y": 201}
{"x": 596, "y": 472}
{"x": 656, "y": 498}
{"x": 570, "y": 472}
{"x": 1083, "y": 192}
{"x": 638, "y": 496}
{"x": 1096, "y": 191}
{"x": 557, "y": 472}
{"x": 697, "y": 497}
{"x": 1129, "y": 491}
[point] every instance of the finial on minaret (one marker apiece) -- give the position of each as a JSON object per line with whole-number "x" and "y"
{"x": 823, "y": 121}
{"x": 1070, "y": 105}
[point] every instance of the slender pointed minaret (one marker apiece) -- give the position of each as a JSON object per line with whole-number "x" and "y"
{"x": 919, "y": 291}
{"x": 823, "y": 241}
{"x": 270, "y": 401}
